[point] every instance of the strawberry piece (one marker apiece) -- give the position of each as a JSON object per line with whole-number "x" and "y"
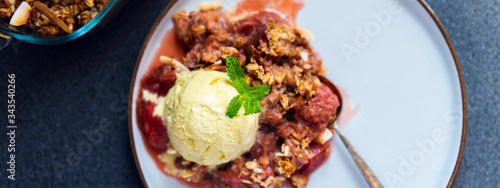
{"x": 320, "y": 153}
{"x": 155, "y": 131}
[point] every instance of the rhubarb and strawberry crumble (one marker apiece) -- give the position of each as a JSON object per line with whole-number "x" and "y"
{"x": 281, "y": 91}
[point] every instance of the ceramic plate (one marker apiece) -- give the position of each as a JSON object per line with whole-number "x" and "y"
{"x": 405, "y": 108}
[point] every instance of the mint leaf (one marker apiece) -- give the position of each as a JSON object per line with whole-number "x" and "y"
{"x": 255, "y": 92}
{"x": 241, "y": 85}
{"x": 258, "y": 92}
{"x": 252, "y": 106}
{"x": 234, "y": 106}
{"x": 234, "y": 69}
{"x": 251, "y": 96}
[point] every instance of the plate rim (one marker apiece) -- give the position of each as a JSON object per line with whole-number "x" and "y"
{"x": 424, "y": 5}
{"x": 462, "y": 88}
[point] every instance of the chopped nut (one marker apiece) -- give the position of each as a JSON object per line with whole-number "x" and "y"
{"x": 238, "y": 42}
{"x": 284, "y": 101}
{"x": 231, "y": 51}
{"x": 325, "y": 136}
{"x": 255, "y": 69}
{"x": 199, "y": 30}
{"x": 267, "y": 78}
{"x": 304, "y": 56}
{"x": 251, "y": 164}
{"x": 248, "y": 79}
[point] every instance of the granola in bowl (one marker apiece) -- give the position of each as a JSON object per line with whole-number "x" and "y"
{"x": 49, "y": 18}
{"x": 293, "y": 127}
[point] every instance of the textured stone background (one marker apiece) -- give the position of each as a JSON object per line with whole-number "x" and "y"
{"x": 66, "y": 90}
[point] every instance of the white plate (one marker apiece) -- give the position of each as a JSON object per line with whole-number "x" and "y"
{"x": 402, "y": 85}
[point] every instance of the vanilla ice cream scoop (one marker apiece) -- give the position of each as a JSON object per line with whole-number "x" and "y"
{"x": 197, "y": 125}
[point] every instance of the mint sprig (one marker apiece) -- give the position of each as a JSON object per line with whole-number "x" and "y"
{"x": 249, "y": 96}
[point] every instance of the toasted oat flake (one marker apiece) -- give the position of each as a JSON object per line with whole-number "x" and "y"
{"x": 205, "y": 7}
{"x": 280, "y": 37}
{"x": 278, "y": 154}
{"x": 171, "y": 151}
{"x": 174, "y": 63}
{"x": 251, "y": 165}
{"x": 304, "y": 33}
{"x": 284, "y": 101}
{"x": 89, "y": 3}
{"x": 285, "y": 149}
{"x": 258, "y": 170}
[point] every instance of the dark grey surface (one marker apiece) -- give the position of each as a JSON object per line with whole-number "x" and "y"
{"x": 66, "y": 90}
